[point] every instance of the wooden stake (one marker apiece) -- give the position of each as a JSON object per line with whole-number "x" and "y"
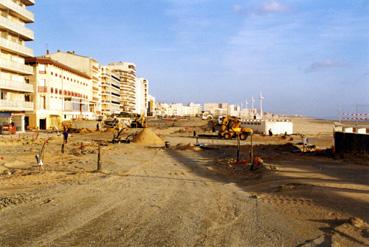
{"x": 238, "y": 148}
{"x": 251, "y": 153}
{"x": 99, "y": 157}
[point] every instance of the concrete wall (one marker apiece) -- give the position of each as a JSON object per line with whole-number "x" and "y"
{"x": 351, "y": 143}
{"x": 263, "y": 126}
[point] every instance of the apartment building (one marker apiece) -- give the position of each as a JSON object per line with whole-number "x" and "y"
{"x": 87, "y": 66}
{"x": 128, "y": 81}
{"x": 61, "y": 93}
{"x": 15, "y": 91}
{"x": 110, "y": 101}
{"x": 178, "y": 109}
{"x": 142, "y": 96}
{"x": 151, "y": 106}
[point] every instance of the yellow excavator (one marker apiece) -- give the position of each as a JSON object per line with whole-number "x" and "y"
{"x": 231, "y": 127}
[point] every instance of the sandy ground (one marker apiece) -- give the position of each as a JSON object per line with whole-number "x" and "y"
{"x": 181, "y": 196}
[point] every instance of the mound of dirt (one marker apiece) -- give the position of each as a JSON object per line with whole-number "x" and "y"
{"x": 189, "y": 146}
{"x": 148, "y": 137}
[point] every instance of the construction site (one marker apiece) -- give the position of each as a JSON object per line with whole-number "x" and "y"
{"x": 184, "y": 182}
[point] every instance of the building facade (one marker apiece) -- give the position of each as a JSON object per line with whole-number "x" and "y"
{"x": 16, "y": 94}
{"x": 142, "y": 96}
{"x": 151, "y": 106}
{"x": 87, "y": 66}
{"x": 61, "y": 93}
{"x": 128, "y": 81}
{"x": 178, "y": 109}
{"x": 110, "y": 101}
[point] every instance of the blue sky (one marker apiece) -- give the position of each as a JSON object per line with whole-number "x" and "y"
{"x": 306, "y": 56}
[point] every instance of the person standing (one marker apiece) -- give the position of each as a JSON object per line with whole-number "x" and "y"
{"x": 65, "y": 135}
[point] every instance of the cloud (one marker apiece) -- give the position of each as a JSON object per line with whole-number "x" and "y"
{"x": 324, "y": 64}
{"x": 268, "y": 7}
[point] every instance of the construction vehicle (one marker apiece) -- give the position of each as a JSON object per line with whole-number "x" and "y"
{"x": 206, "y": 116}
{"x": 123, "y": 119}
{"x": 139, "y": 121}
{"x": 231, "y": 127}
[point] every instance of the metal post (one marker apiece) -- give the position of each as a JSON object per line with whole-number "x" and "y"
{"x": 251, "y": 153}
{"x": 238, "y": 148}
{"x": 99, "y": 157}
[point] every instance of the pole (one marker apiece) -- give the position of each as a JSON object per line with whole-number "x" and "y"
{"x": 251, "y": 154}
{"x": 99, "y": 157}
{"x": 238, "y": 148}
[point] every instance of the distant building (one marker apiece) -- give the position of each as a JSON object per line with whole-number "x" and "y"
{"x": 142, "y": 89}
{"x": 16, "y": 94}
{"x": 178, "y": 109}
{"x": 110, "y": 99}
{"x": 127, "y": 75}
{"x": 151, "y": 106}
{"x": 61, "y": 93}
{"x": 87, "y": 66}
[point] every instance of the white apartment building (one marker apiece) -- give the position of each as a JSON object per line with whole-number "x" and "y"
{"x": 110, "y": 101}
{"x": 216, "y": 109}
{"x": 61, "y": 93}
{"x": 15, "y": 91}
{"x": 142, "y": 96}
{"x": 128, "y": 81}
{"x": 222, "y": 109}
{"x": 87, "y": 66}
{"x": 151, "y": 106}
{"x": 178, "y": 109}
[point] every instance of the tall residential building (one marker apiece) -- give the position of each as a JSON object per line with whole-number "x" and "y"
{"x": 142, "y": 96}
{"x": 88, "y": 66}
{"x": 15, "y": 91}
{"x": 110, "y": 102}
{"x": 151, "y": 106}
{"x": 127, "y": 75}
{"x": 61, "y": 93}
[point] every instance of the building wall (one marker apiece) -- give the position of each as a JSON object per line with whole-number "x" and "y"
{"x": 263, "y": 126}
{"x": 15, "y": 92}
{"x": 141, "y": 96}
{"x": 110, "y": 92}
{"x": 88, "y": 66}
{"x": 151, "y": 107}
{"x": 351, "y": 143}
{"x": 127, "y": 75}
{"x": 61, "y": 93}
{"x": 178, "y": 109}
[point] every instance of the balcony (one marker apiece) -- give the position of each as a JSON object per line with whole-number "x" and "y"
{"x": 16, "y": 67}
{"x": 22, "y": 13}
{"x": 16, "y": 86}
{"x": 13, "y": 47}
{"x": 26, "y": 33}
{"x": 28, "y": 2}
{"x": 11, "y": 105}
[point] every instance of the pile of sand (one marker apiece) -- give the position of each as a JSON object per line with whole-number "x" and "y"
{"x": 148, "y": 137}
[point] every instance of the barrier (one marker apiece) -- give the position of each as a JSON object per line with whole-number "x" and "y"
{"x": 351, "y": 143}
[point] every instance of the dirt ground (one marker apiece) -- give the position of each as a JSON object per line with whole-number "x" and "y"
{"x": 184, "y": 195}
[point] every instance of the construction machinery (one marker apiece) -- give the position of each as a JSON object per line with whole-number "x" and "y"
{"x": 122, "y": 119}
{"x": 139, "y": 121}
{"x": 231, "y": 127}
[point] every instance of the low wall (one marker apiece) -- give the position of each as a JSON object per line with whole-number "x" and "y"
{"x": 351, "y": 143}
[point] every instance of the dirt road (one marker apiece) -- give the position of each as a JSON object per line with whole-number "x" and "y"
{"x": 176, "y": 197}
{"x": 149, "y": 199}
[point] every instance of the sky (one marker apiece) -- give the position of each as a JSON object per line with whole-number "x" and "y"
{"x": 307, "y": 57}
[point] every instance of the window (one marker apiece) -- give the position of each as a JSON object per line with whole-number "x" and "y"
{"x": 42, "y": 69}
{"x": 42, "y": 82}
{"x": 43, "y": 102}
{"x": 2, "y": 95}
